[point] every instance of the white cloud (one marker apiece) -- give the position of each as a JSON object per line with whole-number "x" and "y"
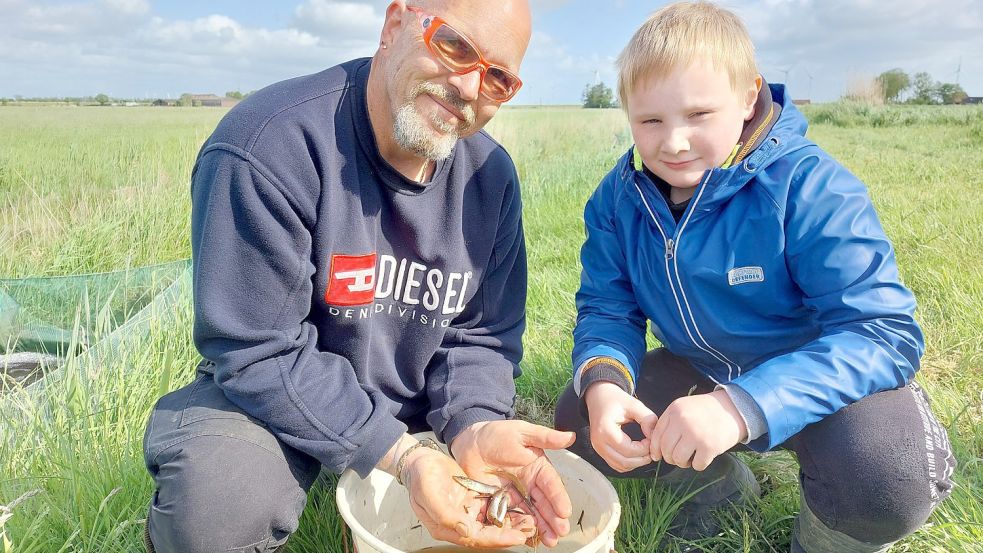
{"x": 70, "y": 22}
{"x": 331, "y": 19}
{"x": 59, "y": 47}
{"x": 114, "y": 44}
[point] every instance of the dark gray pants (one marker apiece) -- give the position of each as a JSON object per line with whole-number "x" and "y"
{"x": 874, "y": 470}
{"x": 223, "y": 481}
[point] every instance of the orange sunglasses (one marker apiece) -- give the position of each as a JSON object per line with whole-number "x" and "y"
{"x": 460, "y": 55}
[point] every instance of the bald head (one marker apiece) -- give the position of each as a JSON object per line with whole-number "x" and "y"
{"x": 419, "y": 105}
{"x": 510, "y": 20}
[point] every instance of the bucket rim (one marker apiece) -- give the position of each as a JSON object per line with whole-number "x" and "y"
{"x": 604, "y": 488}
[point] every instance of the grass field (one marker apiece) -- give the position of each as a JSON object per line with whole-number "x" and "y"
{"x": 86, "y": 190}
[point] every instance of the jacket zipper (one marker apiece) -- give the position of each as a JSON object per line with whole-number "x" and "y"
{"x": 672, "y": 244}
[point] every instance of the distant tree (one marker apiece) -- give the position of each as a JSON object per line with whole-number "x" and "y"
{"x": 952, "y": 93}
{"x": 102, "y": 99}
{"x": 185, "y": 100}
{"x": 235, "y": 94}
{"x": 598, "y": 96}
{"x": 895, "y": 83}
{"x": 924, "y": 90}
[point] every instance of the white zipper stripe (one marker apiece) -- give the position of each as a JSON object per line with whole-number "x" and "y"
{"x": 679, "y": 236}
{"x": 672, "y": 286}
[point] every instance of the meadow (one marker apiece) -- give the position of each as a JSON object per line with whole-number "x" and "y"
{"x": 95, "y": 190}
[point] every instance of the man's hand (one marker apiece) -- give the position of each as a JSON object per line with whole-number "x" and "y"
{"x": 516, "y": 447}
{"x": 609, "y": 408}
{"x": 449, "y": 511}
{"x": 694, "y": 430}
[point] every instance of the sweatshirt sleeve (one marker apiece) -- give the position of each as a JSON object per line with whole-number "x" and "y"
{"x": 610, "y": 323}
{"x": 471, "y": 375}
{"x": 839, "y": 256}
{"x": 252, "y": 296}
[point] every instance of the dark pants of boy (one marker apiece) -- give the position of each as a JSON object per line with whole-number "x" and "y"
{"x": 874, "y": 470}
{"x": 223, "y": 481}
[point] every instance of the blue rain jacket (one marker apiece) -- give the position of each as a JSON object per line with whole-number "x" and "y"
{"x": 778, "y": 279}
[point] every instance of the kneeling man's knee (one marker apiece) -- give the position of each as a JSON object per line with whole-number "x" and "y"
{"x": 229, "y": 496}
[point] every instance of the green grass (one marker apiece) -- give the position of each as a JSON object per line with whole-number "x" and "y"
{"x": 97, "y": 189}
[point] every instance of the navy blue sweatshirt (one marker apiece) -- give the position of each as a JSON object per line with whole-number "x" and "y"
{"x": 334, "y": 296}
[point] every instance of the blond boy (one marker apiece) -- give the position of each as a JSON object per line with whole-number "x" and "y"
{"x": 762, "y": 268}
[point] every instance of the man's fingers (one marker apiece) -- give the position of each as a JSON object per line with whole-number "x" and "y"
{"x": 474, "y": 535}
{"x": 550, "y": 486}
{"x": 541, "y": 437}
{"x": 551, "y": 526}
{"x": 493, "y": 536}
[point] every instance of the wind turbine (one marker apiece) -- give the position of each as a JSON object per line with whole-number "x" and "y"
{"x": 809, "y": 92}
{"x": 786, "y": 71}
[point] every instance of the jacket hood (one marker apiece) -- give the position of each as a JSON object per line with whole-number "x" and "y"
{"x": 720, "y": 183}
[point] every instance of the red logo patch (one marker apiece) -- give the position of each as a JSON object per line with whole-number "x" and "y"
{"x": 352, "y": 280}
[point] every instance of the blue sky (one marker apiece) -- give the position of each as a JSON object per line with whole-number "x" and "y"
{"x": 153, "y": 48}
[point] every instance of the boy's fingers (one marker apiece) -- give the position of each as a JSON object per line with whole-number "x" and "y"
{"x": 683, "y": 453}
{"x": 702, "y": 460}
{"x": 636, "y": 411}
{"x": 655, "y": 452}
{"x": 647, "y": 423}
{"x": 667, "y": 445}
{"x": 624, "y": 463}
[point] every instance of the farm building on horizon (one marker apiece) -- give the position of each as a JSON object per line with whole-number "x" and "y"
{"x": 212, "y": 101}
{"x": 972, "y": 100}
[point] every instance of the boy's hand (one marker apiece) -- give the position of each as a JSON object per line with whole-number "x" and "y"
{"x": 694, "y": 430}
{"x": 609, "y": 407}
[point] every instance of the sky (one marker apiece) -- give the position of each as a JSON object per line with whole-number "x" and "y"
{"x": 161, "y": 49}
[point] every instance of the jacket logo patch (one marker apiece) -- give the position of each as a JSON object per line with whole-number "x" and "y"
{"x": 744, "y": 275}
{"x": 352, "y": 280}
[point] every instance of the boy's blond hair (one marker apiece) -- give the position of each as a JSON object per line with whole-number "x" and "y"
{"x": 680, "y": 33}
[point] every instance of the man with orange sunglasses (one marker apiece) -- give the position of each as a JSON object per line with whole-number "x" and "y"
{"x": 359, "y": 276}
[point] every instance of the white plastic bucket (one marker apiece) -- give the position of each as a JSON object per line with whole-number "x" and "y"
{"x": 378, "y": 511}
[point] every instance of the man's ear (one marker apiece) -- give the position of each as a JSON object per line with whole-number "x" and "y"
{"x": 395, "y": 15}
{"x": 751, "y": 97}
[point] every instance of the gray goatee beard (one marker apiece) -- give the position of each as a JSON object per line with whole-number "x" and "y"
{"x": 413, "y": 132}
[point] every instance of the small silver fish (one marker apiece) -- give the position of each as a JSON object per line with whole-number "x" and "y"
{"x": 485, "y": 490}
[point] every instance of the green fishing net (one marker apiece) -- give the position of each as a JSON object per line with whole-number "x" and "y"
{"x": 44, "y": 320}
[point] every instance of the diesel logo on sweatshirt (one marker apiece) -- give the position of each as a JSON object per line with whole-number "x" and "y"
{"x": 352, "y": 280}
{"x": 356, "y": 280}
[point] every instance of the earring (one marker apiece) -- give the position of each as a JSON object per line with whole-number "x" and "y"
{"x": 383, "y": 44}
